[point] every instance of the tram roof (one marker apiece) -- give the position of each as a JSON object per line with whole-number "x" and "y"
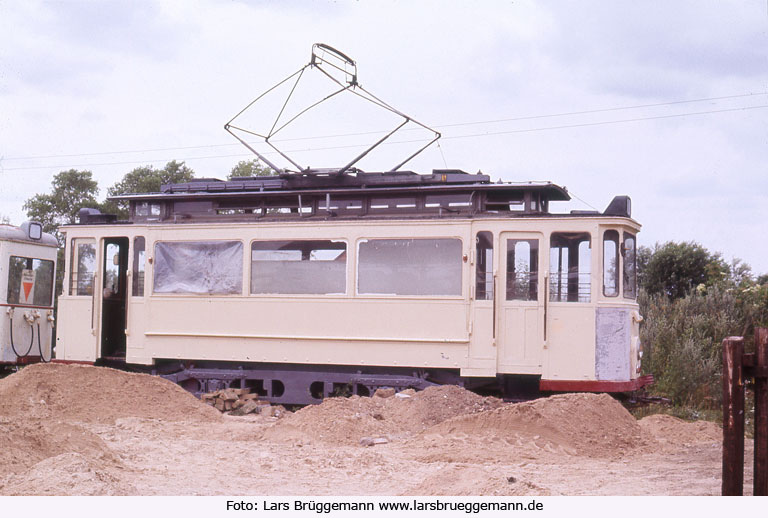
{"x": 321, "y": 182}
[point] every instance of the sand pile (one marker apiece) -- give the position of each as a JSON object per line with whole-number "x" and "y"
{"x": 68, "y": 474}
{"x": 448, "y": 424}
{"x": 594, "y": 425}
{"x": 96, "y": 394}
{"x": 26, "y": 442}
{"x": 45, "y": 415}
{"x": 670, "y": 430}
{"x": 347, "y": 420}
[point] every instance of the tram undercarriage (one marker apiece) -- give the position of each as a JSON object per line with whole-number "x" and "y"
{"x": 295, "y": 384}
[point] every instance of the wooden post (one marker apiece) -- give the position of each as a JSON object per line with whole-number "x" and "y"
{"x": 733, "y": 417}
{"x": 761, "y": 412}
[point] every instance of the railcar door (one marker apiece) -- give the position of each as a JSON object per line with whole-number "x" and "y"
{"x": 520, "y": 303}
{"x": 113, "y": 296}
{"x": 482, "y": 347}
{"x": 570, "y": 309}
{"x": 77, "y": 322}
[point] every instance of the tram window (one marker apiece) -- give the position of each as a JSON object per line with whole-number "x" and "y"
{"x": 139, "y": 258}
{"x": 340, "y": 205}
{"x": 30, "y": 281}
{"x": 484, "y": 266}
{"x": 511, "y": 203}
{"x": 112, "y": 285}
{"x": 522, "y": 269}
{"x": 447, "y": 201}
{"x": 611, "y": 263}
{"x": 184, "y": 207}
{"x": 393, "y": 204}
{"x": 83, "y": 267}
{"x": 210, "y": 267}
{"x": 298, "y": 267}
{"x": 629, "y": 251}
{"x": 409, "y": 267}
{"x": 148, "y": 210}
{"x": 570, "y": 257}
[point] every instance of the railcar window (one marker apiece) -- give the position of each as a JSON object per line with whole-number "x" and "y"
{"x": 83, "y": 267}
{"x": 448, "y": 201}
{"x": 570, "y": 257}
{"x": 147, "y": 210}
{"x": 484, "y": 266}
{"x": 409, "y": 267}
{"x": 112, "y": 284}
{"x": 611, "y": 263}
{"x": 209, "y": 267}
{"x": 394, "y": 204}
{"x": 340, "y": 205}
{"x": 299, "y": 267}
{"x": 629, "y": 251}
{"x": 139, "y": 259}
{"x": 522, "y": 269}
{"x": 30, "y": 281}
{"x": 498, "y": 203}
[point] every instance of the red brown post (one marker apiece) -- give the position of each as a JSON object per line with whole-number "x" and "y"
{"x": 761, "y": 412}
{"x": 733, "y": 417}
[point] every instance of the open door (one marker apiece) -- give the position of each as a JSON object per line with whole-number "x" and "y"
{"x": 114, "y": 297}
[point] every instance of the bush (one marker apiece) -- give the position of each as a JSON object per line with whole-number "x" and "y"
{"x": 682, "y": 339}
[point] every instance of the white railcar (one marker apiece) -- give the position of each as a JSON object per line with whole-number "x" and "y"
{"x": 27, "y": 279}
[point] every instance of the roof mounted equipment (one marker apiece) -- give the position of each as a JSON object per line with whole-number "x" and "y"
{"x": 342, "y": 71}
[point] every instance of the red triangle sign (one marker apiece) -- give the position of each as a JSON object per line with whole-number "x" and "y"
{"x": 27, "y": 289}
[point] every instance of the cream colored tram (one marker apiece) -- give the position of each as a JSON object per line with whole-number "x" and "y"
{"x": 299, "y": 285}
{"x": 27, "y": 278}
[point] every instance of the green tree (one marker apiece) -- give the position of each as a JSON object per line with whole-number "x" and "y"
{"x": 246, "y": 168}
{"x": 644, "y": 255}
{"x": 740, "y": 273}
{"x": 70, "y": 191}
{"x": 675, "y": 268}
{"x": 146, "y": 179}
{"x": 4, "y": 220}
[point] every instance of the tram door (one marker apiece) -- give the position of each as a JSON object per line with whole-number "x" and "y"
{"x": 113, "y": 296}
{"x": 520, "y": 302}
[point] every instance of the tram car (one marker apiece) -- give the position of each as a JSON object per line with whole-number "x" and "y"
{"x": 299, "y": 286}
{"x": 27, "y": 279}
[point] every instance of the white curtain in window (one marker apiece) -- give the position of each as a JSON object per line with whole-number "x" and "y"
{"x": 211, "y": 267}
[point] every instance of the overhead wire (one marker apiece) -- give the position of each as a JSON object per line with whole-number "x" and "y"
{"x": 445, "y": 137}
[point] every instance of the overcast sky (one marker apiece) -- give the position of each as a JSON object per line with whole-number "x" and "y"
{"x": 664, "y": 101}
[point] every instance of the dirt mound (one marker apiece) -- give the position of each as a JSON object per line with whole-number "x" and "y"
{"x": 347, "y": 420}
{"x": 474, "y": 480}
{"x": 593, "y": 425}
{"x": 667, "y": 429}
{"x": 68, "y": 474}
{"x": 28, "y": 441}
{"x": 96, "y": 394}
